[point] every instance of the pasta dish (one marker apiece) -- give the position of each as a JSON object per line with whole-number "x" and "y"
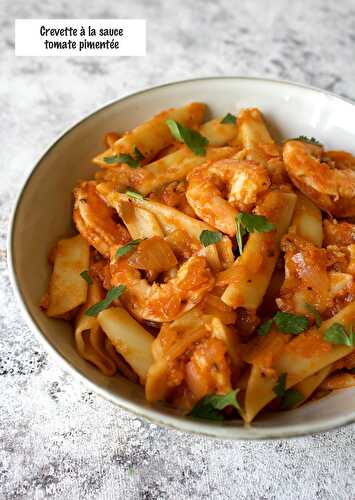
{"x": 213, "y": 265}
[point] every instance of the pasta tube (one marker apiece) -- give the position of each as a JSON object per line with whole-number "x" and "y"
{"x": 218, "y": 133}
{"x": 252, "y": 271}
{"x": 67, "y": 289}
{"x": 252, "y": 128}
{"x": 154, "y": 135}
{"x": 139, "y": 222}
{"x": 307, "y": 220}
{"x": 129, "y": 338}
{"x": 302, "y": 357}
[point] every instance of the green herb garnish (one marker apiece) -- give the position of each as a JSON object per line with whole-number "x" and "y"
{"x": 111, "y": 295}
{"x": 229, "y": 119}
{"x": 210, "y": 407}
{"x": 127, "y": 248}
{"x": 309, "y": 140}
{"x": 133, "y": 194}
{"x": 290, "y": 323}
{"x": 280, "y": 386}
{"x": 251, "y": 223}
{"x": 336, "y": 334}
{"x": 210, "y": 237}
{"x": 85, "y": 275}
{"x": 315, "y": 314}
{"x": 137, "y": 154}
{"x": 122, "y": 158}
{"x": 265, "y": 327}
{"x": 193, "y": 140}
{"x": 290, "y": 399}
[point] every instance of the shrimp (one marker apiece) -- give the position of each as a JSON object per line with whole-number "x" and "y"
{"x": 320, "y": 277}
{"x": 160, "y": 302}
{"x": 328, "y": 178}
{"x": 174, "y": 195}
{"x": 190, "y": 361}
{"x": 338, "y": 233}
{"x": 242, "y": 182}
{"x": 94, "y": 220}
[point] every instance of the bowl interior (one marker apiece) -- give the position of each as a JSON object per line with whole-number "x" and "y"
{"x": 43, "y": 215}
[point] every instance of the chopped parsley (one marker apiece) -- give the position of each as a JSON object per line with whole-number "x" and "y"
{"x": 111, "y": 295}
{"x": 133, "y": 194}
{"x": 122, "y": 158}
{"x": 309, "y": 140}
{"x": 314, "y": 313}
{"x": 280, "y": 386}
{"x": 210, "y": 407}
{"x": 290, "y": 397}
{"x": 250, "y": 223}
{"x": 85, "y": 275}
{"x": 286, "y": 323}
{"x": 229, "y": 119}
{"x": 131, "y": 161}
{"x": 210, "y": 237}
{"x": 127, "y": 248}
{"x": 193, "y": 140}
{"x": 138, "y": 155}
{"x": 336, "y": 334}
{"x": 265, "y": 327}
{"x": 290, "y": 323}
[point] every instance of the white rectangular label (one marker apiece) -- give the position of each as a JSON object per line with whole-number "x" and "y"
{"x": 80, "y": 37}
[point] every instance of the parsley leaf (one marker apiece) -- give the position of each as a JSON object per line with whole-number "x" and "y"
{"x": 122, "y": 158}
{"x": 265, "y": 327}
{"x": 133, "y": 194}
{"x": 241, "y": 231}
{"x": 85, "y": 275}
{"x": 111, "y": 295}
{"x": 210, "y": 237}
{"x": 290, "y": 399}
{"x": 290, "y": 323}
{"x": 251, "y": 223}
{"x": 137, "y": 154}
{"x": 127, "y": 248}
{"x": 229, "y": 119}
{"x": 309, "y": 140}
{"x": 193, "y": 140}
{"x": 280, "y": 386}
{"x": 315, "y": 314}
{"x": 209, "y": 407}
{"x": 336, "y": 334}
{"x": 255, "y": 223}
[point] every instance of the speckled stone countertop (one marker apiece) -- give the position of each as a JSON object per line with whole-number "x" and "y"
{"x": 57, "y": 439}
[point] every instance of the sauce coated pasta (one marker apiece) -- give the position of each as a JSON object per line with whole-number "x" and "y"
{"x": 213, "y": 265}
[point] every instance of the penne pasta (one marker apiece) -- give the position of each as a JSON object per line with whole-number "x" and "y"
{"x": 252, "y": 128}
{"x": 154, "y": 135}
{"x": 302, "y": 357}
{"x": 90, "y": 340}
{"x": 307, "y": 220}
{"x": 218, "y": 133}
{"x": 129, "y": 338}
{"x": 67, "y": 289}
{"x": 308, "y": 386}
{"x": 251, "y": 273}
{"x": 139, "y": 222}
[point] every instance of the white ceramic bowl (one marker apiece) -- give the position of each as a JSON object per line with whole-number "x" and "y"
{"x": 43, "y": 214}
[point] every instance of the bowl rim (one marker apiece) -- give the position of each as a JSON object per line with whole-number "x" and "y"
{"x": 199, "y": 427}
